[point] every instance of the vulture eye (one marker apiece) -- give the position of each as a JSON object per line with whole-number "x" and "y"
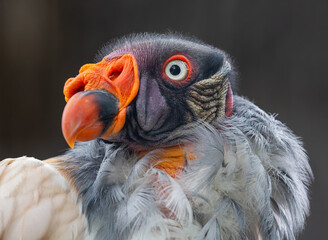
{"x": 177, "y": 68}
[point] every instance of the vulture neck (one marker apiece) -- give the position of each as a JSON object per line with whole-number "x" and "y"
{"x": 172, "y": 160}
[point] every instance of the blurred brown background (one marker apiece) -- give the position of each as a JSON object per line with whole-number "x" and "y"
{"x": 279, "y": 47}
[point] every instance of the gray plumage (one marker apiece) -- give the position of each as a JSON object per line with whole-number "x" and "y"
{"x": 250, "y": 181}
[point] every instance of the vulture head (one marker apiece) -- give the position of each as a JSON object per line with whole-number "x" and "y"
{"x": 148, "y": 91}
{"x": 171, "y": 153}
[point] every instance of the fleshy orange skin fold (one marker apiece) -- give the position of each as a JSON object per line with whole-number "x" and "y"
{"x": 172, "y": 160}
{"x": 119, "y": 77}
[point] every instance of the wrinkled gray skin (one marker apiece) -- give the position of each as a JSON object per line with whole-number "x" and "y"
{"x": 249, "y": 182}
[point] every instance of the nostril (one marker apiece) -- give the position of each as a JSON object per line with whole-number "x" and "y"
{"x": 115, "y": 70}
{"x": 114, "y": 75}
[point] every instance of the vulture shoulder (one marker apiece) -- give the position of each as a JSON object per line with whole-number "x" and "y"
{"x": 37, "y": 202}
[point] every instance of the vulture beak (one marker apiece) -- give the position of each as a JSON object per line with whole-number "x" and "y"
{"x": 97, "y": 99}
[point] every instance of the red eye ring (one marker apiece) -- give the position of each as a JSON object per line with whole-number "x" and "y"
{"x": 177, "y": 58}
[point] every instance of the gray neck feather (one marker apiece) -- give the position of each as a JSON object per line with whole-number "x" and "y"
{"x": 250, "y": 180}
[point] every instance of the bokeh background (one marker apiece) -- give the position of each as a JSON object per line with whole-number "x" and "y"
{"x": 279, "y": 47}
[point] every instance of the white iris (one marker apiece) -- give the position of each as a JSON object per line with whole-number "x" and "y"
{"x": 176, "y": 70}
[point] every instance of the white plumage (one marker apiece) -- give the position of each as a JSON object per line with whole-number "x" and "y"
{"x": 36, "y": 202}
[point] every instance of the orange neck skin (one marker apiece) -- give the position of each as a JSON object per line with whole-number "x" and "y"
{"x": 172, "y": 160}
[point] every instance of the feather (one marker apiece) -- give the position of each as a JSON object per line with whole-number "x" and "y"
{"x": 249, "y": 181}
{"x": 173, "y": 198}
{"x": 37, "y": 202}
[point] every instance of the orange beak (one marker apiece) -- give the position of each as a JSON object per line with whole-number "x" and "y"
{"x": 97, "y": 99}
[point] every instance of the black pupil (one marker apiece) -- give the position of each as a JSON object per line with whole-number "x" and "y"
{"x": 175, "y": 70}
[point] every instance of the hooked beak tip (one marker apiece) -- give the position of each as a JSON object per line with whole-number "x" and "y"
{"x": 71, "y": 143}
{"x": 87, "y": 115}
